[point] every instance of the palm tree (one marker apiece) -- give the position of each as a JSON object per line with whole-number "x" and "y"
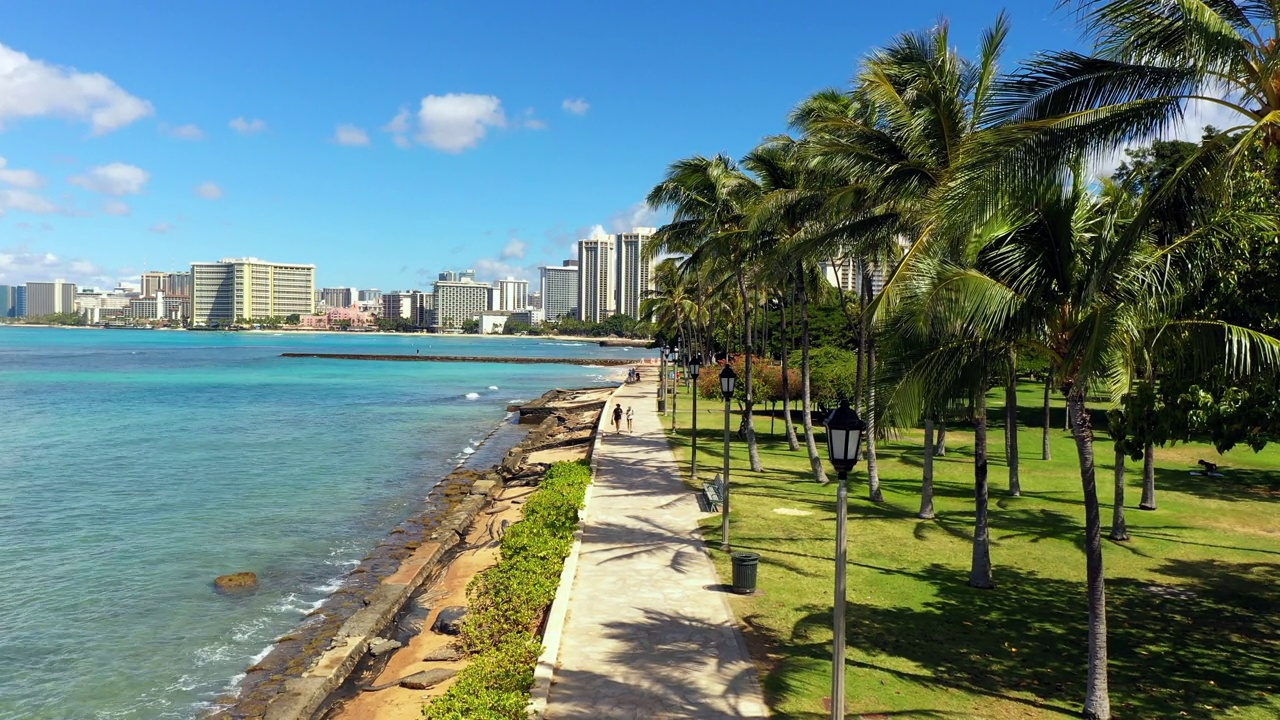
{"x": 708, "y": 198}
{"x": 1113, "y": 291}
{"x": 890, "y": 146}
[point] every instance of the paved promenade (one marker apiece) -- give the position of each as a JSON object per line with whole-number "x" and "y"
{"x": 649, "y": 632}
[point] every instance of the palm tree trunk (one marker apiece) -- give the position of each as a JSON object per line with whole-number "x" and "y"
{"x": 1011, "y": 424}
{"x": 873, "y": 468}
{"x": 1097, "y": 702}
{"x": 1045, "y": 452}
{"x": 926, "y": 487}
{"x": 1118, "y": 529}
{"x": 1148, "y": 477}
{"x": 748, "y": 421}
{"x": 792, "y": 442}
{"x": 806, "y": 414}
{"x": 940, "y": 450}
{"x": 980, "y": 570}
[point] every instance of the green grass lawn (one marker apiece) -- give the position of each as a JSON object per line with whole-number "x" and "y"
{"x": 1193, "y": 600}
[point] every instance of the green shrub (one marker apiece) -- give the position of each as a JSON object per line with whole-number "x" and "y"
{"x": 506, "y": 602}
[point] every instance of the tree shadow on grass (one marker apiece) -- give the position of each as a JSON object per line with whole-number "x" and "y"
{"x": 1236, "y": 484}
{"x": 1205, "y": 641}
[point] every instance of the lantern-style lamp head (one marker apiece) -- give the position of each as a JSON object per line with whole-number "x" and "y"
{"x": 728, "y": 379}
{"x": 844, "y": 437}
{"x": 695, "y": 366}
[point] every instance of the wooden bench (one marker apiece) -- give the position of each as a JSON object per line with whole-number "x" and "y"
{"x": 714, "y": 491}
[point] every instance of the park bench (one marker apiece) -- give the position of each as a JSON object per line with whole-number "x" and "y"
{"x": 714, "y": 491}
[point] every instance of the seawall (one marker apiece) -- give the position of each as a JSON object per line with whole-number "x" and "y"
{"x": 306, "y": 666}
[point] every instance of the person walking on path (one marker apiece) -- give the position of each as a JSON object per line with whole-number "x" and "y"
{"x": 630, "y": 416}
{"x": 617, "y": 419}
{"x": 647, "y": 632}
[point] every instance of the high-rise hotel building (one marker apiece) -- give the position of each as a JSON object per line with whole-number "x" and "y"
{"x": 48, "y": 298}
{"x": 635, "y": 271}
{"x": 236, "y": 288}
{"x": 560, "y": 293}
{"x": 458, "y": 301}
{"x": 614, "y": 274}
{"x": 511, "y": 294}
{"x": 597, "y": 278}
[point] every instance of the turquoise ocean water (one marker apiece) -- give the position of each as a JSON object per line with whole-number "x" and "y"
{"x": 135, "y": 466}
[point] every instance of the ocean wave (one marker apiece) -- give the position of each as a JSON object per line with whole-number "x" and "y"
{"x": 471, "y": 395}
{"x": 468, "y": 451}
{"x": 293, "y": 603}
{"x": 493, "y": 387}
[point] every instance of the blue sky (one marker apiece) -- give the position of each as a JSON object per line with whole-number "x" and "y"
{"x": 484, "y": 135}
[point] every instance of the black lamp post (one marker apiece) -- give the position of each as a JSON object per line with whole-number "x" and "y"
{"x": 662, "y": 379}
{"x": 844, "y": 447}
{"x": 728, "y": 379}
{"x": 672, "y": 357}
{"x": 695, "y": 367}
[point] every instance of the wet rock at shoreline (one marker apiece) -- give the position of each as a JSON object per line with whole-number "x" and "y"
{"x": 380, "y": 646}
{"x": 236, "y": 581}
{"x": 444, "y": 654}
{"x": 426, "y": 679}
{"x": 449, "y": 621}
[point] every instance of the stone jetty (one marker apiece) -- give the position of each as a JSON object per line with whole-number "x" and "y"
{"x": 603, "y": 362}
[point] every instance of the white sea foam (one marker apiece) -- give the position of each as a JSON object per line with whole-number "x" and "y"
{"x": 262, "y": 654}
{"x": 468, "y": 451}
{"x": 493, "y": 387}
{"x": 472, "y": 395}
{"x": 330, "y": 586}
{"x": 211, "y": 654}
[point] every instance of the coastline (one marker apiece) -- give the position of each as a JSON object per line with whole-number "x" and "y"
{"x": 326, "y": 652}
{"x": 290, "y": 331}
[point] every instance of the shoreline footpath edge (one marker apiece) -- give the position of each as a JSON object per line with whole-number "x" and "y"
{"x": 544, "y": 670}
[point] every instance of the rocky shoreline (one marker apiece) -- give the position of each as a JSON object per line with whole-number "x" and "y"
{"x": 305, "y": 667}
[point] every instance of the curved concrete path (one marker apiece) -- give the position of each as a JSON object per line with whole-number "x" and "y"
{"x": 649, "y": 632}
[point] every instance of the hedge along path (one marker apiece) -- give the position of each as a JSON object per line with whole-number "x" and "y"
{"x": 507, "y": 602}
{"x": 649, "y": 632}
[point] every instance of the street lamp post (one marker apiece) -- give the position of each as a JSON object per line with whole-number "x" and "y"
{"x": 695, "y": 367}
{"x": 728, "y": 378}
{"x": 675, "y": 374}
{"x": 663, "y": 401}
{"x": 844, "y": 447}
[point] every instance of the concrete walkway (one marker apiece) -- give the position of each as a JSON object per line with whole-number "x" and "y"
{"x": 649, "y": 632}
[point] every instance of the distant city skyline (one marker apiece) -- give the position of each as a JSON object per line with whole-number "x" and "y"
{"x": 236, "y": 129}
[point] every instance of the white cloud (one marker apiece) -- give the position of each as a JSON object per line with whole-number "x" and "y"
{"x": 534, "y": 124}
{"x": 25, "y": 201}
{"x": 457, "y": 121}
{"x": 247, "y": 127}
{"x": 182, "y": 132}
{"x": 399, "y": 129}
{"x": 21, "y": 264}
{"x": 638, "y": 215}
{"x": 116, "y": 179}
{"x": 350, "y": 135}
{"x": 19, "y": 178}
{"x": 489, "y": 269}
{"x": 32, "y": 88}
{"x": 514, "y": 249}
{"x": 161, "y": 228}
{"x": 209, "y": 191}
{"x": 115, "y": 207}
{"x": 577, "y": 106}
{"x": 1190, "y": 128}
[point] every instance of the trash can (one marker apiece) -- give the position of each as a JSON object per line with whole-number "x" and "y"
{"x": 744, "y": 572}
{"x": 662, "y": 405}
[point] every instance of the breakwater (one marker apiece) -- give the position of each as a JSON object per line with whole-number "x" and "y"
{"x": 602, "y": 362}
